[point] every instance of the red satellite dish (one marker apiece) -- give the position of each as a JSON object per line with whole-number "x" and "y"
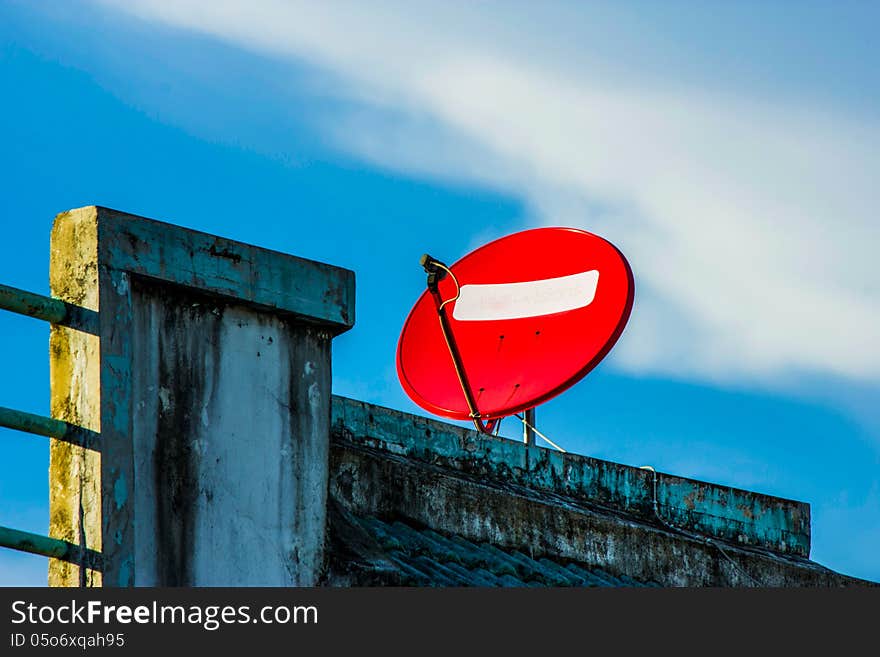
{"x": 514, "y": 323}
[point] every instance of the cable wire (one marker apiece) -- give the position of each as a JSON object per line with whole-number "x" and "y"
{"x": 541, "y": 435}
{"x": 699, "y": 537}
{"x": 454, "y": 280}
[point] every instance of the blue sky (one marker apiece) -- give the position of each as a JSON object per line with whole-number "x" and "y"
{"x": 729, "y": 149}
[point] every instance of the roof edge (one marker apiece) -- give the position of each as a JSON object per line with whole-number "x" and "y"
{"x": 733, "y": 515}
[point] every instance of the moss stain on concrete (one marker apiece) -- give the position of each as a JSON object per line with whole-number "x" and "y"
{"x": 74, "y": 366}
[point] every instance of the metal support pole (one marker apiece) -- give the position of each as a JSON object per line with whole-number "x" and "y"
{"x": 436, "y": 271}
{"x": 47, "y": 546}
{"x": 32, "y": 305}
{"x": 47, "y": 426}
{"x": 30, "y": 423}
{"x": 528, "y": 431}
{"x": 36, "y": 543}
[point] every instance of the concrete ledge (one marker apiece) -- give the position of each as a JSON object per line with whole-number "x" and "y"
{"x": 211, "y": 264}
{"x": 736, "y": 516}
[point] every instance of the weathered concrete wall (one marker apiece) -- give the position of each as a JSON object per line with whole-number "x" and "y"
{"x": 230, "y": 443}
{"x": 74, "y": 368}
{"x": 731, "y": 514}
{"x": 208, "y": 382}
{"x": 389, "y": 464}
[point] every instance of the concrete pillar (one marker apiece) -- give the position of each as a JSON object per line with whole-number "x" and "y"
{"x": 204, "y": 371}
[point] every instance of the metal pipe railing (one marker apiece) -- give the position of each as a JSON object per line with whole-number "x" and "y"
{"x": 30, "y": 423}
{"x": 54, "y": 311}
{"x": 32, "y": 305}
{"x": 47, "y": 426}
{"x": 47, "y": 546}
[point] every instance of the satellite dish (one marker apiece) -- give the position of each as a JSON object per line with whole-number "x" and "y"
{"x": 513, "y": 323}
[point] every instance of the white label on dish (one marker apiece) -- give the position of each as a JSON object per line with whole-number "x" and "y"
{"x": 527, "y": 299}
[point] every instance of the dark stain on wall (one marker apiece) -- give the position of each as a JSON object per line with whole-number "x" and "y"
{"x": 188, "y": 341}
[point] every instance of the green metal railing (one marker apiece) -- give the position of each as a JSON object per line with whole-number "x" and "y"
{"x": 36, "y": 543}
{"x": 32, "y": 305}
{"x": 36, "y": 424}
{"x": 54, "y": 311}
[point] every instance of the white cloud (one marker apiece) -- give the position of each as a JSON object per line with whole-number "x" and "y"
{"x": 750, "y": 224}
